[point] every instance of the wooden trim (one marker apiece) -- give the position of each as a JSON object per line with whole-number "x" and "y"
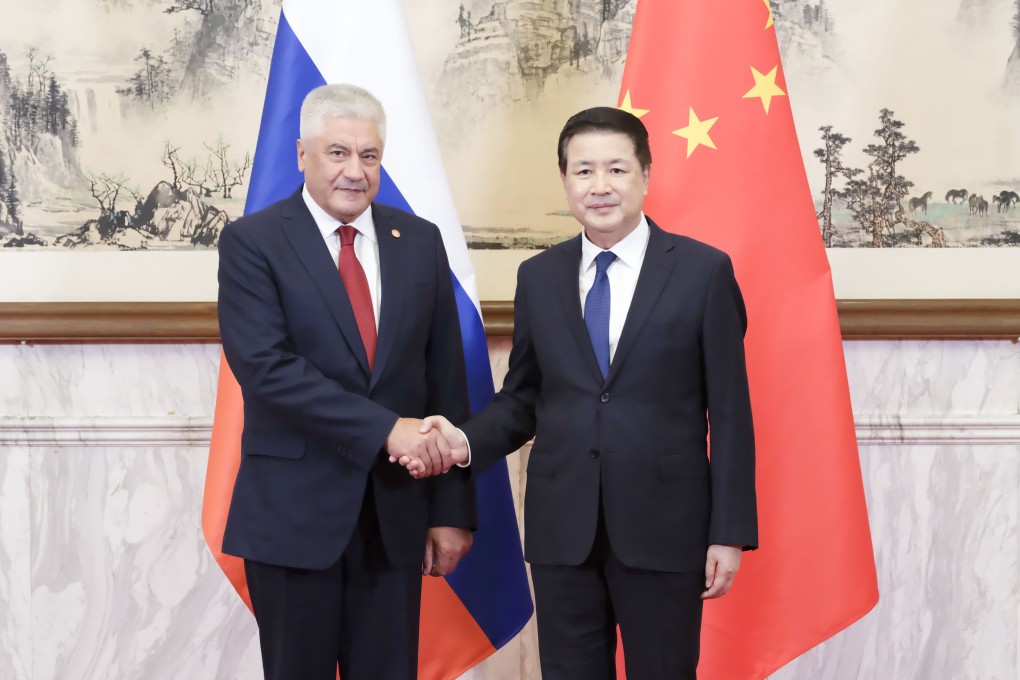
{"x": 936, "y": 319}
{"x": 108, "y": 322}
{"x": 195, "y": 322}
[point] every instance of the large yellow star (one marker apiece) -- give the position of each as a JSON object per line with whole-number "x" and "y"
{"x": 765, "y": 87}
{"x": 629, "y": 108}
{"x": 768, "y": 24}
{"x": 696, "y": 133}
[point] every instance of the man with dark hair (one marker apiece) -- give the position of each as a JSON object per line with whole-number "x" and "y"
{"x": 627, "y": 345}
{"x": 338, "y": 317}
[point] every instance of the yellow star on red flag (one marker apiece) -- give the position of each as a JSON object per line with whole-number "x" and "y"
{"x": 630, "y": 108}
{"x": 765, "y": 87}
{"x": 696, "y": 132}
{"x": 768, "y": 24}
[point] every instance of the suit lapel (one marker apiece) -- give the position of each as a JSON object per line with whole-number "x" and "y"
{"x": 655, "y": 272}
{"x": 566, "y": 273}
{"x": 393, "y": 268}
{"x": 300, "y": 229}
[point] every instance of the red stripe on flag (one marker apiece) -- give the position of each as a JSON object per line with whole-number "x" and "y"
{"x": 727, "y": 170}
{"x": 449, "y": 640}
{"x": 224, "y": 459}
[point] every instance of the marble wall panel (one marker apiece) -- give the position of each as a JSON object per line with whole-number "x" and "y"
{"x": 944, "y": 522}
{"x": 74, "y": 381}
{"x": 122, "y": 585}
{"x": 104, "y": 573}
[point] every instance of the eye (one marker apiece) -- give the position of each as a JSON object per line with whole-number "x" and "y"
{"x": 617, "y": 171}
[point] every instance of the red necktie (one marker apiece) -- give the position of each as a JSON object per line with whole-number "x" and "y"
{"x": 356, "y": 284}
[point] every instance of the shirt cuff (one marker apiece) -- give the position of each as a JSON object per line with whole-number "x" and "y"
{"x": 466, "y": 463}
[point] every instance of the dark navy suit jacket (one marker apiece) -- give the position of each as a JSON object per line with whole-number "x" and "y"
{"x": 637, "y": 437}
{"x": 315, "y": 418}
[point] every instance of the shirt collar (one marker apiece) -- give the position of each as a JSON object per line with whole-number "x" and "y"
{"x": 327, "y": 224}
{"x": 630, "y": 250}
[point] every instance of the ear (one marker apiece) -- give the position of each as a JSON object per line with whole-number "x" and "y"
{"x": 300, "y": 156}
{"x": 646, "y": 176}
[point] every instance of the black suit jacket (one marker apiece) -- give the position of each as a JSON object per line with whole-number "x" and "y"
{"x": 315, "y": 418}
{"x": 638, "y": 437}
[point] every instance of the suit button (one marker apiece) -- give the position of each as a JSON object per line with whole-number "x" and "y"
{"x": 604, "y": 398}
{"x": 594, "y": 453}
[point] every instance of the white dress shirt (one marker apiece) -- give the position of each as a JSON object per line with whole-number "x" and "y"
{"x": 366, "y": 246}
{"x": 623, "y": 275}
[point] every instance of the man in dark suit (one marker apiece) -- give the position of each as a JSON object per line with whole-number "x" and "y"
{"x": 333, "y": 536}
{"x": 627, "y": 345}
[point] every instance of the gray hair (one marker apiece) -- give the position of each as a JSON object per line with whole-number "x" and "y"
{"x": 339, "y": 100}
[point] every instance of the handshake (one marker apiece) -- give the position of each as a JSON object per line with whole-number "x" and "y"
{"x": 426, "y": 447}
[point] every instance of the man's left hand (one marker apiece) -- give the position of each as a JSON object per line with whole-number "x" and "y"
{"x": 444, "y": 547}
{"x": 720, "y": 570}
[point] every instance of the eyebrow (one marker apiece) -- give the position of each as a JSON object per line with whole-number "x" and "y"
{"x": 612, "y": 161}
{"x": 345, "y": 147}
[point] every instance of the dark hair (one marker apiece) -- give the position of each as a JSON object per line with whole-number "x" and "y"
{"x": 606, "y": 119}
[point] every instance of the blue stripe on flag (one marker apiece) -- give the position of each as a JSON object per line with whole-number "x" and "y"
{"x": 292, "y": 75}
{"x": 503, "y": 610}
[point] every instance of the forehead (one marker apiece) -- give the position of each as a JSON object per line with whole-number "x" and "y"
{"x": 364, "y": 131}
{"x": 595, "y": 147}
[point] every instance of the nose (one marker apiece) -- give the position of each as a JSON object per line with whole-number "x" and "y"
{"x": 354, "y": 169}
{"x": 599, "y": 183}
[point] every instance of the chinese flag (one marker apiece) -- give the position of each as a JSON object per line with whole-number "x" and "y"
{"x": 706, "y": 80}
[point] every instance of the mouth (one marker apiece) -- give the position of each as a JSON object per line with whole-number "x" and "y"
{"x": 602, "y": 207}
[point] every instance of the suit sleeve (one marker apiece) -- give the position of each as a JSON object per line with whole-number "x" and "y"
{"x": 509, "y": 421}
{"x": 260, "y": 353}
{"x": 734, "y": 519}
{"x": 451, "y": 496}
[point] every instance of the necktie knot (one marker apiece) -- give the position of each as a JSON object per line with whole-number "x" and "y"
{"x": 602, "y": 262}
{"x": 347, "y": 234}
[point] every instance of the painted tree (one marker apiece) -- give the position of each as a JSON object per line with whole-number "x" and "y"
{"x": 152, "y": 83}
{"x": 171, "y": 158}
{"x": 203, "y": 7}
{"x": 875, "y": 198}
{"x": 831, "y": 156}
{"x": 5, "y": 76}
{"x": 225, "y": 173}
{"x": 10, "y": 198}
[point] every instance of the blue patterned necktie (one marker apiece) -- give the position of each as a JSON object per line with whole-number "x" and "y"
{"x": 596, "y": 310}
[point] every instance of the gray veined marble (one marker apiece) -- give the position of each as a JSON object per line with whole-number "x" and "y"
{"x": 104, "y": 573}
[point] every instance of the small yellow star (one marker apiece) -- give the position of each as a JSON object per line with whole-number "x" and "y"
{"x": 629, "y": 108}
{"x": 768, "y": 24}
{"x": 696, "y": 133}
{"x": 765, "y": 87}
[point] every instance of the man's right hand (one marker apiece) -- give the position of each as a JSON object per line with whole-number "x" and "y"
{"x": 454, "y": 439}
{"x": 426, "y": 449}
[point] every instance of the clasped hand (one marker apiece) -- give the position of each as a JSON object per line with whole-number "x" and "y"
{"x": 426, "y": 447}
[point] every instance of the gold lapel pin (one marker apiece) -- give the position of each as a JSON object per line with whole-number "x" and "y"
{"x": 396, "y": 234}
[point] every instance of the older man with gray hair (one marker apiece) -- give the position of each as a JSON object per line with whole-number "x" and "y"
{"x": 338, "y": 319}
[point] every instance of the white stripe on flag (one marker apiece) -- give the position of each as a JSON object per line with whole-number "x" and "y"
{"x": 381, "y": 61}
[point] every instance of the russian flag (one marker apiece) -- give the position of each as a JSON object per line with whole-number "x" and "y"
{"x": 471, "y": 613}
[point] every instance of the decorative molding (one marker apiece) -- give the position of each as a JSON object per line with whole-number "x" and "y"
{"x": 933, "y": 429}
{"x": 195, "y": 432}
{"x": 195, "y": 322}
{"x": 105, "y": 432}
